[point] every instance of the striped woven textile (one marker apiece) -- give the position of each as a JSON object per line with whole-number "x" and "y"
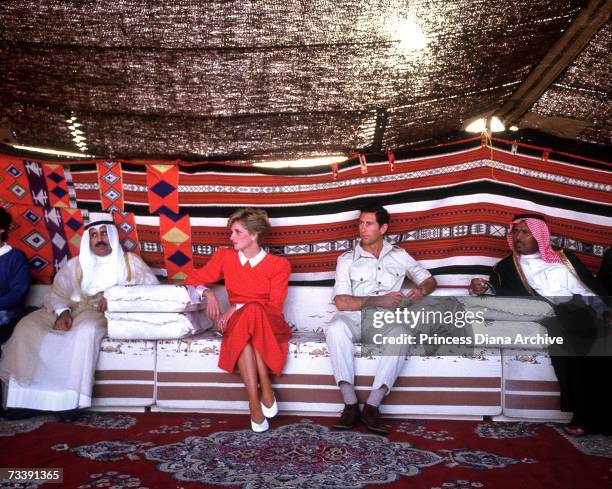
{"x": 449, "y": 210}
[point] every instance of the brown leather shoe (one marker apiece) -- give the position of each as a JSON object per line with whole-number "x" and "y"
{"x": 349, "y": 417}
{"x": 371, "y": 418}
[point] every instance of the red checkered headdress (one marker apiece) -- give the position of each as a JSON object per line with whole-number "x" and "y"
{"x": 540, "y": 232}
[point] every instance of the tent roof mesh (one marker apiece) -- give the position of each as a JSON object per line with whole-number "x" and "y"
{"x": 246, "y": 80}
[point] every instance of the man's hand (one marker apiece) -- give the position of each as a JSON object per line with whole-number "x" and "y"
{"x": 478, "y": 286}
{"x": 390, "y": 300}
{"x": 415, "y": 295}
{"x": 63, "y": 322}
{"x": 222, "y": 321}
{"x": 212, "y": 305}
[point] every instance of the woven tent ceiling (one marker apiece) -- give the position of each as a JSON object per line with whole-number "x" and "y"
{"x": 246, "y": 80}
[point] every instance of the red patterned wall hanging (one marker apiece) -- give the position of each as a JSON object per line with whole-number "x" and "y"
{"x": 14, "y": 186}
{"x": 30, "y": 235}
{"x": 57, "y": 234}
{"x": 56, "y": 185}
{"x": 446, "y": 210}
{"x": 175, "y": 231}
{"x": 128, "y": 235}
{"x": 110, "y": 180}
{"x": 73, "y": 227}
{"x": 162, "y": 185}
{"x": 37, "y": 183}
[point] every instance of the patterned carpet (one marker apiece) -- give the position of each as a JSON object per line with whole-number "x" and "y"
{"x": 169, "y": 450}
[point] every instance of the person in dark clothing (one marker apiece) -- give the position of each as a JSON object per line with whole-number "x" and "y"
{"x": 605, "y": 273}
{"x": 535, "y": 269}
{"x": 14, "y": 284}
{"x": 14, "y": 280}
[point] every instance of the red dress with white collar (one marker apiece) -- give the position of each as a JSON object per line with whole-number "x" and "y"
{"x": 262, "y": 289}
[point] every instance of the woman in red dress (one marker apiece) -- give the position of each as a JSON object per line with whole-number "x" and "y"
{"x": 255, "y": 333}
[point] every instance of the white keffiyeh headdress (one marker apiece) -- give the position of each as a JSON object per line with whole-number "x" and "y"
{"x": 102, "y": 272}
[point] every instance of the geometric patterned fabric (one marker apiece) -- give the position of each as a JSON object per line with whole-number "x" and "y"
{"x": 37, "y": 183}
{"x": 126, "y": 225}
{"x": 162, "y": 185}
{"x": 14, "y": 186}
{"x": 73, "y": 227}
{"x": 110, "y": 180}
{"x": 58, "y": 237}
{"x": 30, "y": 234}
{"x": 175, "y": 232}
{"x": 450, "y": 210}
{"x": 56, "y": 185}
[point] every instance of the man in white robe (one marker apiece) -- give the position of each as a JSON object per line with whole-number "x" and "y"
{"x": 49, "y": 362}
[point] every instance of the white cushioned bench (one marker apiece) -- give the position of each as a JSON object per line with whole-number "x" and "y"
{"x": 182, "y": 374}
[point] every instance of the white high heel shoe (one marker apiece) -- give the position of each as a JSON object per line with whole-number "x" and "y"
{"x": 260, "y": 427}
{"x": 269, "y": 412}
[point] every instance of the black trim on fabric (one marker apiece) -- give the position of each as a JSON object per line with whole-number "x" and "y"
{"x": 133, "y": 167}
{"x": 89, "y": 206}
{"x": 82, "y": 168}
{"x": 566, "y": 203}
{"x": 461, "y": 270}
{"x": 206, "y": 168}
{"x": 317, "y": 283}
{"x": 537, "y": 153}
{"x": 557, "y": 144}
{"x": 447, "y": 270}
{"x": 578, "y": 162}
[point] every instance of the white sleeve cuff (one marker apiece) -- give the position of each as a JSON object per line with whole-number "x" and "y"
{"x": 200, "y": 289}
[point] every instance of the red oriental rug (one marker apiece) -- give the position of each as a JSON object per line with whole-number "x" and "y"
{"x": 190, "y": 450}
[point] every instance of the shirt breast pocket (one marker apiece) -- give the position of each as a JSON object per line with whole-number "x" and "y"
{"x": 358, "y": 275}
{"x": 391, "y": 276}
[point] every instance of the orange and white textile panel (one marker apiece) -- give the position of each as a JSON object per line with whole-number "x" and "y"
{"x": 449, "y": 210}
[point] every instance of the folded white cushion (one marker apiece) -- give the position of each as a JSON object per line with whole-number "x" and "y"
{"x": 155, "y": 326}
{"x": 152, "y": 298}
{"x": 508, "y": 308}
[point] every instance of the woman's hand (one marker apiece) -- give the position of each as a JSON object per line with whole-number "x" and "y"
{"x": 212, "y": 305}
{"x": 223, "y": 320}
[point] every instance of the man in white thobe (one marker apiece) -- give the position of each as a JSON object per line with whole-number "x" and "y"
{"x": 49, "y": 362}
